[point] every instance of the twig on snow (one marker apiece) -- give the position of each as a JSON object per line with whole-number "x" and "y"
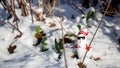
{"x": 96, "y": 31}
{"x": 31, "y": 12}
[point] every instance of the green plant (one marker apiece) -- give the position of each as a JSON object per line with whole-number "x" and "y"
{"x": 38, "y": 29}
{"x": 39, "y": 35}
{"x": 89, "y": 14}
{"x": 44, "y": 44}
{"x": 39, "y": 32}
{"x": 79, "y": 27}
{"x": 58, "y": 46}
{"x": 75, "y": 52}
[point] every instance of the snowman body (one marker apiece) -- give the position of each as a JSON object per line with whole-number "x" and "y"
{"x": 82, "y": 44}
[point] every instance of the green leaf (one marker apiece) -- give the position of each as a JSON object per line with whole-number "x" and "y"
{"x": 44, "y": 44}
{"x": 75, "y": 52}
{"x": 90, "y": 14}
{"x": 58, "y": 46}
{"x": 38, "y": 29}
{"x": 79, "y": 27}
{"x": 43, "y": 41}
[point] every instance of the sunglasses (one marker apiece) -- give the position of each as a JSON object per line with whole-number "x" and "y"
{"x": 81, "y": 37}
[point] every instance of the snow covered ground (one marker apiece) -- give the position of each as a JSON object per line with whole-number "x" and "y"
{"x": 104, "y": 46}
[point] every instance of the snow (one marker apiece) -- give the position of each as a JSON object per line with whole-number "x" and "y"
{"x": 27, "y": 56}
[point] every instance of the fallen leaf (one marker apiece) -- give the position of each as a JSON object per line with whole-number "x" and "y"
{"x": 52, "y": 25}
{"x": 11, "y": 49}
{"x": 38, "y": 35}
{"x": 18, "y": 36}
{"x": 81, "y": 65}
{"x": 97, "y": 59}
{"x": 37, "y": 18}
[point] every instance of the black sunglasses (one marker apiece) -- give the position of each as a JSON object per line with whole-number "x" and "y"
{"x": 81, "y": 37}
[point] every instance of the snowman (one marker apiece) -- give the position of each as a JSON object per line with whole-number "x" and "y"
{"x": 81, "y": 44}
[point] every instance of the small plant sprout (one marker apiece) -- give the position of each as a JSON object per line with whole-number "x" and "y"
{"x": 39, "y": 34}
{"x": 75, "y": 54}
{"x": 86, "y": 17}
{"x": 38, "y": 29}
{"x": 89, "y": 15}
{"x": 44, "y": 44}
{"x": 79, "y": 27}
{"x": 58, "y": 48}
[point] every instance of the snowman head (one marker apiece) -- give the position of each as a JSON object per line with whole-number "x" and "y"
{"x": 82, "y": 36}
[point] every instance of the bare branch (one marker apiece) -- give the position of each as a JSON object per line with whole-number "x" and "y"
{"x": 31, "y": 12}
{"x": 96, "y": 31}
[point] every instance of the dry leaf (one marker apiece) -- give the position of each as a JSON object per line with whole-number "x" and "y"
{"x": 52, "y": 25}
{"x": 38, "y": 35}
{"x": 40, "y": 13}
{"x": 18, "y": 36}
{"x": 80, "y": 63}
{"x": 37, "y": 18}
{"x": 97, "y": 59}
{"x": 11, "y": 49}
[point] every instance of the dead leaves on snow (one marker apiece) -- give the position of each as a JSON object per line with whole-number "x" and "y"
{"x": 81, "y": 65}
{"x": 18, "y": 36}
{"x": 97, "y": 58}
{"x": 37, "y": 18}
{"x": 52, "y": 25}
{"x": 11, "y": 49}
{"x": 39, "y": 37}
